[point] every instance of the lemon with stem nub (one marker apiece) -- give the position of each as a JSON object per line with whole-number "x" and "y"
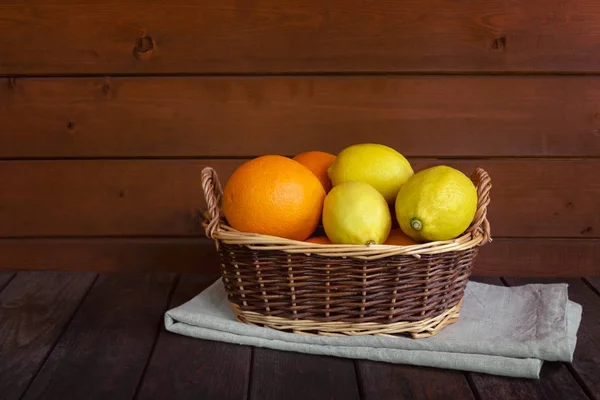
{"x": 356, "y": 213}
{"x": 438, "y": 203}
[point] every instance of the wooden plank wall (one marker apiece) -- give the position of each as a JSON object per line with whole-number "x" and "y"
{"x": 108, "y": 112}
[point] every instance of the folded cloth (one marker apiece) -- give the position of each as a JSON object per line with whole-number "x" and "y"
{"x": 507, "y": 331}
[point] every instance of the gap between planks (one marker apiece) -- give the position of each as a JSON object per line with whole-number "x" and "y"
{"x": 64, "y": 329}
{"x": 157, "y": 335}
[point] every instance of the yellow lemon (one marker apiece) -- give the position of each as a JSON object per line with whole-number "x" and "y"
{"x": 438, "y": 203}
{"x": 380, "y": 166}
{"x": 356, "y": 213}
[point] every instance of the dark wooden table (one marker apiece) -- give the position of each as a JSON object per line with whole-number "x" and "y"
{"x": 82, "y": 335}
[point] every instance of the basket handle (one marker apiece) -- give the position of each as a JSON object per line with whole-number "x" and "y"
{"x": 212, "y": 194}
{"x": 481, "y": 225}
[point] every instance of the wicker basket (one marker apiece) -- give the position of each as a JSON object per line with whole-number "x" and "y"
{"x": 339, "y": 290}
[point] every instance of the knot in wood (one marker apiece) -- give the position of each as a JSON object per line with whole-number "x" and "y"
{"x": 499, "y": 43}
{"x": 144, "y": 48}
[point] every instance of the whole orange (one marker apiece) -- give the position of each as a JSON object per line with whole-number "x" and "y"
{"x": 399, "y": 238}
{"x": 273, "y": 195}
{"x": 317, "y": 162}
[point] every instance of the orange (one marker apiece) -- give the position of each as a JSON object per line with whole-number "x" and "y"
{"x": 399, "y": 238}
{"x": 318, "y": 162}
{"x": 319, "y": 239}
{"x": 273, "y": 195}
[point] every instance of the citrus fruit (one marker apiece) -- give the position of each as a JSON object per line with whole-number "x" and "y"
{"x": 438, "y": 203}
{"x": 317, "y": 162}
{"x": 319, "y": 239}
{"x": 380, "y": 166}
{"x": 273, "y": 195}
{"x": 399, "y": 238}
{"x": 356, "y": 213}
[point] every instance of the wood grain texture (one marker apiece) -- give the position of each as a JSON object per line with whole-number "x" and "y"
{"x": 539, "y": 257}
{"x": 515, "y": 257}
{"x": 235, "y": 116}
{"x": 104, "y": 351}
{"x": 182, "y": 367}
{"x": 303, "y": 36}
{"x": 111, "y": 254}
{"x": 541, "y": 198}
{"x": 586, "y": 359}
{"x": 288, "y": 375}
{"x": 381, "y": 381}
{"x": 555, "y": 383}
{"x": 83, "y": 198}
{"x": 34, "y": 310}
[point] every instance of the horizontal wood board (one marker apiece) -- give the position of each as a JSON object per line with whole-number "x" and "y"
{"x": 451, "y": 116}
{"x": 531, "y": 198}
{"x": 278, "y": 36}
{"x": 516, "y": 257}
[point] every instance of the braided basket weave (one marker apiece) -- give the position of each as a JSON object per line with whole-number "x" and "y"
{"x": 337, "y": 290}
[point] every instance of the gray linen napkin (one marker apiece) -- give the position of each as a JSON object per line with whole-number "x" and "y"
{"x": 505, "y": 331}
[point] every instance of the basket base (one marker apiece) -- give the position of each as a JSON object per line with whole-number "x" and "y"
{"x": 417, "y": 329}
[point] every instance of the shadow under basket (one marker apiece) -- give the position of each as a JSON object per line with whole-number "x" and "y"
{"x": 341, "y": 290}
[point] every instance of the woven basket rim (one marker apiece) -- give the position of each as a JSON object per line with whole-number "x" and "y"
{"x": 478, "y": 234}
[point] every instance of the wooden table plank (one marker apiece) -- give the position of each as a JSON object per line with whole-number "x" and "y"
{"x": 595, "y": 282}
{"x": 586, "y": 360}
{"x": 105, "y": 349}
{"x": 381, "y": 381}
{"x": 34, "y": 310}
{"x": 290, "y": 376}
{"x": 555, "y": 383}
{"x": 186, "y": 368}
{"x": 5, "y": 278}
